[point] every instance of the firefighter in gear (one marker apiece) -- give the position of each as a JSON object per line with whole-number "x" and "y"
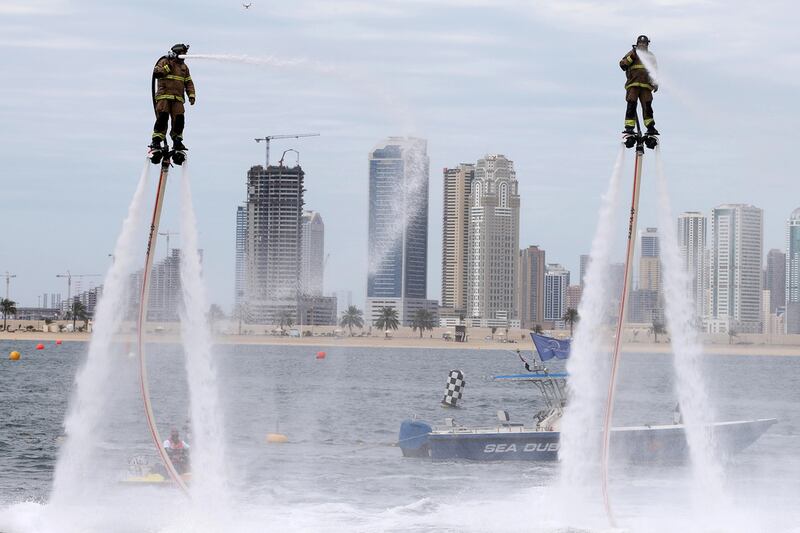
{"x": 639, "y": 86}
{"x": 174, "y": 81}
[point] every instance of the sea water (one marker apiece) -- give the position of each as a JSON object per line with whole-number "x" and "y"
{"x": 340, "y": 470}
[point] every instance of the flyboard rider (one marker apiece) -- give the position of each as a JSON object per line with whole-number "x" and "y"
{"x": 174, "y": 80}
{"x": 639, "y": 85}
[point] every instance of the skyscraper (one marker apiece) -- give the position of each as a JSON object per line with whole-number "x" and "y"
{"x": 584, "y": 267}
{"x": 775, "y": 281}
{"x": 532, "y": 266}
{"x": 398, "y": 228}
{"x": 556, "y": 282}
{"x": 313, "y": 254}
{"x": 241, "y": 260}
{"x": 735, "y": 274}
{"x": 650, "y": 261}
{"x": 792, "y": 317}
{"x": 692, "y": 236}
{"x": 493, "y": 240}
{"x": 455, "y": 236}
{"x": 273, "y": 252}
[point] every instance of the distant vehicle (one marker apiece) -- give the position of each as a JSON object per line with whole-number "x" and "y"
{"x": 294, "y": 333}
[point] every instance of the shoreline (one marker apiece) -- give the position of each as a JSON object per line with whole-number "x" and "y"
{"x": 404, "y": 342}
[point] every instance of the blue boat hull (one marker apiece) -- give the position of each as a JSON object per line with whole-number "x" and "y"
{"x": 533, "y": 446}
{"x": 644, "y": 444}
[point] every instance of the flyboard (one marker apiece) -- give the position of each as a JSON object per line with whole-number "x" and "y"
{"x": 165, "y": 157}
{"x": 638, "y": 140}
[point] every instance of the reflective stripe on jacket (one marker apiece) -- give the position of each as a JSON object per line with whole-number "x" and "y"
{"x": 173, "y": 80}
{"x": 637, "y": 75}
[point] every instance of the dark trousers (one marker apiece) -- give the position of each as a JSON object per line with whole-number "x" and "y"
{"x": 164, "y": 110}
{"x": 645, "y": 96}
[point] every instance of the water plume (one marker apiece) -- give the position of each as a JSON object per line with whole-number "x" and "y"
{"x": 696, "y": 408}
{"x": 209, "y": 486}
{"x": 579, "y": 430}
{"x": 88, "y": 406}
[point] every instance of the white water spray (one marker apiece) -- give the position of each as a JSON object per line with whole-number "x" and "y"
{"x": 209, "y": 487}
{"x": 588, "y": 362}
{"x": 390, "y": 102}
{"x": 695, "y": 404}
{"x": 410, "y": 203}
{"x": 78, "y": 456}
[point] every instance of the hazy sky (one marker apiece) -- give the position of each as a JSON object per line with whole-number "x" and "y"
{"x": 536, "y": 81}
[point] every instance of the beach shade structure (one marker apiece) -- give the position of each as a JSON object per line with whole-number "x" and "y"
{"x": 455, "y": 388}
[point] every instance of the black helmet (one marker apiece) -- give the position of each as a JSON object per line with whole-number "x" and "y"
{"x": 180, "y": 49}
{"x": 642, "y": 40}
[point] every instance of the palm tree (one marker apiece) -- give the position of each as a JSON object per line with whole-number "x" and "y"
{"x": 353, "y": 317}
{"x": 286, "y": 319}
{"x": 657, "y": 328}
{"x": 731, "y": 334}
{"x": 9, "y": 308}
{"x": 571, "y": 317}
{"x": 423, "y": 320}
{"x": 387, "y": 319}
{"x": 78, "y": 312}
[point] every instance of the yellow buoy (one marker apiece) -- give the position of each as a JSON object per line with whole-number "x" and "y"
{"x": 14, "y": 356}
{"x": 276, "y": 438}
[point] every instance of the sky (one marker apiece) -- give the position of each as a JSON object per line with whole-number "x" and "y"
{"x": 536, "y": 81}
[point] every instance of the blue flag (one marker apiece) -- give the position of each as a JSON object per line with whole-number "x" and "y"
{"x": 548, "y": 347}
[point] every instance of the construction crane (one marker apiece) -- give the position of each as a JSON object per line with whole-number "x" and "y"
{"x": 8, "y": 282}
{"x": 69, "y": 277}
{"x": 267, "y": 138}
{"x": 167, "y": 235}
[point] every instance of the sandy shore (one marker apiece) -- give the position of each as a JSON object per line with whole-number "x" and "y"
{"x": 326, "y": 343}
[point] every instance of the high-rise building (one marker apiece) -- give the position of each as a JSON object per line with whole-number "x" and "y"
{"x": 344, "y": 299}
{"x": 792, "y": 316}
{"x": 455, "y": 236}
{"x": 775, "y": 279}
{"x": 532, "y": 266}
{"x": 737, "y": 233}
{"x": 692, "y": 236}
{"x": 313, "y": 254}
{"x": 585, "y": 258}
{"x": 556, "y": 281}
{"x": 574, "y": 294}
{"x": 493, "y": 241}
{"x": 273, "y": 252}
{"x": 239, "y": 285}
{"x": 164, "y": 300}
{"x": 650, "y": 261}
{"x": 398, "y": 228}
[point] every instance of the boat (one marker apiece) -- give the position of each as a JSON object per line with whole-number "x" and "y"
{"x": 540, "y": 441}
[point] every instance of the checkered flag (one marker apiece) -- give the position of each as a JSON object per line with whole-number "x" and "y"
{"x": 455, "y": 388}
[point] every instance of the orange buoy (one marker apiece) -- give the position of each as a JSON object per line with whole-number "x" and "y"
{"x": 321, "y": 355}
{"x": 276, "y": 438}
{"x": 14, "y": 356}
{"x": 58, "y": 341}
{"x": 40, "y": 346}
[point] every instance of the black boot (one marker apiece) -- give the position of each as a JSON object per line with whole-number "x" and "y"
{"x": 155, "y": 145}
{"x": 651, "y": 130}
{"x": 628, "y": 130}
{"x": 177, "y": 145}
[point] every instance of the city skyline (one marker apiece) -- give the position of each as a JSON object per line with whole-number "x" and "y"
{"x": 561, "y": 130}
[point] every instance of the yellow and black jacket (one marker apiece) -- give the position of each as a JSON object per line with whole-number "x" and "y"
{"x": 637, "y": 75}
{"x": 173, "y": 80}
